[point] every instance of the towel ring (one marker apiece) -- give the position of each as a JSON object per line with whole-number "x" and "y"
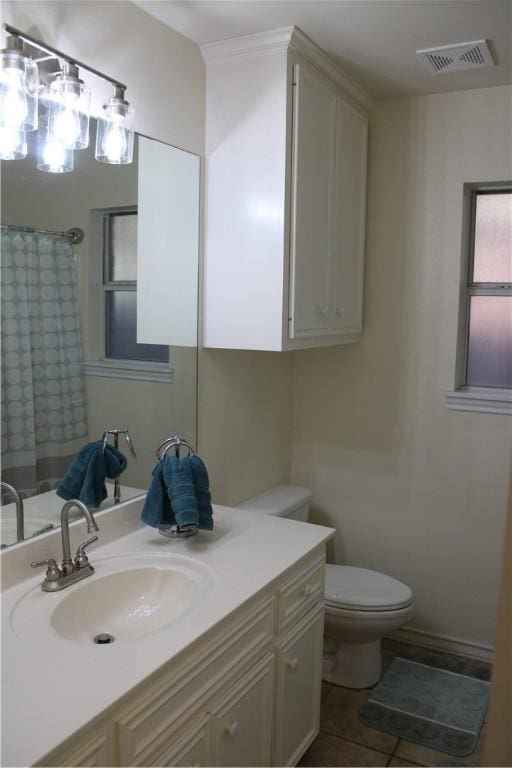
{"x": 116, "y": 431}
{"x": 178, "y": 532}
{"x": 173, "y": 442}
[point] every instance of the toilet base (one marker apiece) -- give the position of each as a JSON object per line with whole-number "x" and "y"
{"x": 355, "y": 665}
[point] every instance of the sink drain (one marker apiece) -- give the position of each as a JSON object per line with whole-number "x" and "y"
{"x": 104, "y": 638}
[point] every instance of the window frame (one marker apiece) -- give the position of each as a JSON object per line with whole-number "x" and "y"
{"x": 463, "y": 396}
{"x": 100, "y": 364}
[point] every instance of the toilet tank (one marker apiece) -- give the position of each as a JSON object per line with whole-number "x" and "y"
{"x": 290, "y": 501}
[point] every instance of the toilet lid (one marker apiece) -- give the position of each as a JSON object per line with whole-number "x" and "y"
{"x": 364, "y": 590}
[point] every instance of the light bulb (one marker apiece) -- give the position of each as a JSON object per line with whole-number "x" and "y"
{"x": 54, "y": 155}
{"x": 68, "y": 109}
{"x": 13, "y": 144}
{"x": 13, "y": 100}
{"x": 66, "y": 126}
{"x": 115, "y": 142}
{"x": 114, "y": 131}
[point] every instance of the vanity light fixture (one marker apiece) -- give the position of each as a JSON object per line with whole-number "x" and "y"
{"x": 19, "y": 82}
{"x": 18, "y": 98}
{"x": 68, "y": 109}
{"x": 114, "y": 132}
{"x": 66, "y": 99}
{"x": 52, "y": 155}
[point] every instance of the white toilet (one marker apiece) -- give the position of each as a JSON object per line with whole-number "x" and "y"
{"x": 361, "y": 606}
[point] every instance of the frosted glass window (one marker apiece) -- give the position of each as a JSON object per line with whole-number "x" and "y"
{"x": 122, "y": 247}
{"x": 490, "y": 341}
{"x": 120, "y": 275}
{"x": 493, "y": 238}
{"x": 121, "y": 330}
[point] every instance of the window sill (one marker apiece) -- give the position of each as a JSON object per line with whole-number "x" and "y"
{"x": 480, "y": 399}
{"x": 129, "y": 369}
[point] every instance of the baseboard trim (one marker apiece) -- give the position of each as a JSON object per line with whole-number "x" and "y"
{"x": 444, "y": 643}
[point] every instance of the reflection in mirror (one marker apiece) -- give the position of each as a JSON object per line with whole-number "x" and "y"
{"x": 97, "y": 334}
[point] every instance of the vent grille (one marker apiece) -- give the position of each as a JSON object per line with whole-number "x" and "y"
{"x": 450, "y": 58}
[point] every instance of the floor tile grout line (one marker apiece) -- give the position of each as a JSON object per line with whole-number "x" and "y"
{"x": 359, "y": 743}
{"x": 399, "y": 757}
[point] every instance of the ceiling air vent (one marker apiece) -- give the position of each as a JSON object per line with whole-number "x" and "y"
{"x": 451, "y": 58}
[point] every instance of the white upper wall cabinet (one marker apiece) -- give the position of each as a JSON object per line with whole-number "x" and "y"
{"x": 285, "y": 195}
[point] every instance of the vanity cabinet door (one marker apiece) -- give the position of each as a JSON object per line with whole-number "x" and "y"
{"x": 95, "y": 750}
{"x": 299, "y": 679}
{"x": 191, "y": 750}
{"x": 242, "y": 719}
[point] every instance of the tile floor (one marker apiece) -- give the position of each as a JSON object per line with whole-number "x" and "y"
{"x": 344, "y": 741}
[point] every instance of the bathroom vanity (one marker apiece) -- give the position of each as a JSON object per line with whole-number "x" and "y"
{"x": 217, "y": 653}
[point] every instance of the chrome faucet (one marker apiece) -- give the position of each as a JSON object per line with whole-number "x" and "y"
{"x": 20, "y": 514}
{"x": 71, "y": 570}
{"x": 68, "y": 565}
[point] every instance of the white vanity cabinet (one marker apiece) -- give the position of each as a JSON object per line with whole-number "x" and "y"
{"x": 285, "y": 195}
{"x": 242, "y": 720}
{"x": 247, "y": 694}
{"x": 299, "y": 663}
{"x": 191, "y": 750}
{"x": 95, "y": 749}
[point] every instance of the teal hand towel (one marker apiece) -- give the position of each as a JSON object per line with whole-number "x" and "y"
{"x": 85, "y": 479}
{"x": 179, "y": 494}
{"x": 157, "y": 508}
{"x": 181, "y": 491}
{"x": 202, "y": 486}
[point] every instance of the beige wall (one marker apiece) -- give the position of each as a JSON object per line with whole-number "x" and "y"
{"x": 415, "y": 490}
{"x": 245, "y": 420}
{"x": 498, "y": 740}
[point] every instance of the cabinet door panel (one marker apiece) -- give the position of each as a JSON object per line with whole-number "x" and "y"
{"x": 299, "y": 679}
{"x": 93, "y": 751}
{"x": 242, "y": 722}
{"x": 191, "y": 750}
{"x": 313, "y": 192}
{"x": 352, "y": 129}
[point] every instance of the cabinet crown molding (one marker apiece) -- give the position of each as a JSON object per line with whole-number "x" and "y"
{"x": 280, "y": 40}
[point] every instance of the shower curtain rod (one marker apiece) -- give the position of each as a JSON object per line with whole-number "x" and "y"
{"x": 75, "y": 235}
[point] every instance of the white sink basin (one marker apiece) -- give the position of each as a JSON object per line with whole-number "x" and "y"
{"x": 127, "y": 598}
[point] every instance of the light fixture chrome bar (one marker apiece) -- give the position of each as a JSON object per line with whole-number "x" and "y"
{"x": 59, "y": 54}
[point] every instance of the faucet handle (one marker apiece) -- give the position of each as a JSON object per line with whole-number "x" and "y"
{"x": 52, "y": 572}
{"x": 81, "y": 559}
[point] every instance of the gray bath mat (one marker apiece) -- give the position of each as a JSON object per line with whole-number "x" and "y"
{"x": 439, "y": 709}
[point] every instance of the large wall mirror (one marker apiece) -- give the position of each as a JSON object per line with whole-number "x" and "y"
{"x": 101, "y": 333}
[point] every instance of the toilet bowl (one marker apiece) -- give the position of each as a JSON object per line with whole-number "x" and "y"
{"x": 361, "y": 606}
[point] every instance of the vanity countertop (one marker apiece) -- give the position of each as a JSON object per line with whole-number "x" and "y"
{"x": 52, "y": 686}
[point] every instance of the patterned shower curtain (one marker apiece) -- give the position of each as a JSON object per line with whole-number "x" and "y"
{"x": 44, "y": 420}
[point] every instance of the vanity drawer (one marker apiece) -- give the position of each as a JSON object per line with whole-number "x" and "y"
{"x": 187, "y": 685}
{"x": 303, "y": 588}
